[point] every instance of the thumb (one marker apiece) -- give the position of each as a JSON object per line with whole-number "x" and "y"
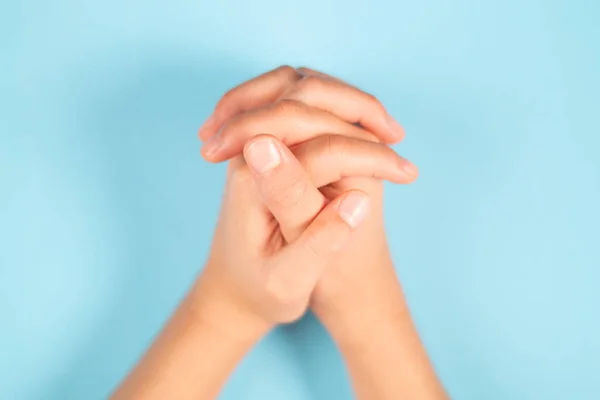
{"x": 298, "y": 266}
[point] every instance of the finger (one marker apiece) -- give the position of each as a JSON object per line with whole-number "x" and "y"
{"x": 329, "y": 158}
{"x": 295, "y": 270}
{"x": 291, "y": 121}
{"x": 285, "y": 188}
{"x": 305, "y": 71}
{"x": 314, "y": 89}
{"x": 254, "y": 93}
{"x": 348, "y": 103}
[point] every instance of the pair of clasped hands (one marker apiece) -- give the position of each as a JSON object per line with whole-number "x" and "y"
{"x": 301, "y": 226}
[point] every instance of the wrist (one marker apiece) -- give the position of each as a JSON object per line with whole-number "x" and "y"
{"x": 372, "y": 309}
{"x": 374, "y": 328}
{"x": 198, "y": 348}
{"x": 214, "y": 305}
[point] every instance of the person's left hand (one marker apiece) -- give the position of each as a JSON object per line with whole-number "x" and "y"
{"x": 308, "y": 109}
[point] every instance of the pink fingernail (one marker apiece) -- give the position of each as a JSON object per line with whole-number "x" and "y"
{"x": 263, "y": 155}
{"x": 354, "y": 208}
{"x": 212, "y": 145}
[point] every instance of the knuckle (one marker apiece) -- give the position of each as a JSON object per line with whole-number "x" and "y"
{"x": 304, "y": 69}
{"x": 309, "y": 83}
{"x": 376, "y": 105}
{"x": 336, "y": 144}
{"x": 286, "y": 107}
{"x": 289, "y": 73}
{"x": 325, "y": 157}
{"x": 288, "y": 194}
{"x": 332, "y": 146}
{"x": 286, "y": 69}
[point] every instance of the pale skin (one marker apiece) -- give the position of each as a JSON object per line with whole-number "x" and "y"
{"x": 301, "y": 227}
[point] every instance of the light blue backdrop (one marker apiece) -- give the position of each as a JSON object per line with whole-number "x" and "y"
{"x": 106, "y": 209}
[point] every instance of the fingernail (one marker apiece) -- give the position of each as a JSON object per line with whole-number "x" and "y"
{"x": 212, "y": 145}
{"x": 206, "y": 126}
{"x": 395, "y": 127}
{"x": 410, "y": 169}
{"x": 353, "y": 208}
{"x": 263, "y": 155}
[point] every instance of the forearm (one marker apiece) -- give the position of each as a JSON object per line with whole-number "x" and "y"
{"x": 196, "y": 351}
{"x": 381, "y": 347}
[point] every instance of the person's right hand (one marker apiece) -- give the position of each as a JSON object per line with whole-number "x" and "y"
{"x": 306, "y": 108}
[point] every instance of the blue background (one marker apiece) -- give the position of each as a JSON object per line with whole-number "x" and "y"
{"x": 107, "y": 209}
